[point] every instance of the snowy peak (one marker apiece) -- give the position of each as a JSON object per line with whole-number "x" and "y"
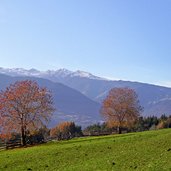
{"x": 60, "y": 73}
{"x": 19, "y": 72}
{"x": 55, "y": 73}
{"x": 84, "y": 74}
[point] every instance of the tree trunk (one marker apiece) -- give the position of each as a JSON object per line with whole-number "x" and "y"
{"x": 23, "y": 136}
{"x": 119, "y": 130}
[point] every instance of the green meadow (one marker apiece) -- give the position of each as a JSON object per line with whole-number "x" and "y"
{"x": 149, "y": 150}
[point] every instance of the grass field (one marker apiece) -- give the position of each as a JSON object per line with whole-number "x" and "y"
{"x": 135, "y": 151}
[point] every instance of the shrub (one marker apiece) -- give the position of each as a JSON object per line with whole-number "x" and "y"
{"x": 65, "y": 131}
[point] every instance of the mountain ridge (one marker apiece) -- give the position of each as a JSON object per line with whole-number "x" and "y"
{"x": 59, "y": 72}
{"x": 155, "y": 99}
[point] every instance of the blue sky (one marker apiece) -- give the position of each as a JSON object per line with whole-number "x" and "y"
{"x": 122, "y": 39}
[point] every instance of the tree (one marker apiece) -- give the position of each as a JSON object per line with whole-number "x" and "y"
{"x": 24, "y": 107}
{"x": 121, "y": 108}
{"x": 65, "y": 131}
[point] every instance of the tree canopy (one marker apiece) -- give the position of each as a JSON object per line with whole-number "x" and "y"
{"x": 24, "y": 106}
{"x": 121, "y": 107}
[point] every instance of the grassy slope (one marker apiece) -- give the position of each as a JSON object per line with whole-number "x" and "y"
{"x": 136, "y": 151}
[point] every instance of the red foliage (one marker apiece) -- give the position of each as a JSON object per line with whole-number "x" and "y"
{"x": 121, "y": 107}
{"x": 24, "y": 106}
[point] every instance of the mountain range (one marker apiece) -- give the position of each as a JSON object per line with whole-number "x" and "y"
{"x": 78, "y": 95}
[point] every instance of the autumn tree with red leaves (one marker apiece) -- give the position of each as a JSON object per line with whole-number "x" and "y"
{"x": 24, "y": 106}
{"x": 121, "y": 108}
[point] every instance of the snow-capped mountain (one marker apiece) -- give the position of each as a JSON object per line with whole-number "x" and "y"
{"x": 19, "y": 72}
{"x": 60, "y": 73}
{"x": 156, "y": 100}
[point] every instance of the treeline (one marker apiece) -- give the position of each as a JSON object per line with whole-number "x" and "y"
{"x": 143, "y": 124}
{"x": 69, "y": 130}
{"x": 153, "y": 122}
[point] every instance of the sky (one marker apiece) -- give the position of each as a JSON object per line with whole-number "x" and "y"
{"x": 117, "y": 39}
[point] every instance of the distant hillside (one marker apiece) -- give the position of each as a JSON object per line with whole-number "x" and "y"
{"x": 156, "y": 100}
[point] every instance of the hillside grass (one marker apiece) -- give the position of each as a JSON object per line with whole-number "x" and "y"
{"x": 135, "y": 151}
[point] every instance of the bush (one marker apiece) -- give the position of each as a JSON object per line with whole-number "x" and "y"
{"x": 38, "y": 136}
{"x": 98, "y": 129}
{"x": 65, "y": 131}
